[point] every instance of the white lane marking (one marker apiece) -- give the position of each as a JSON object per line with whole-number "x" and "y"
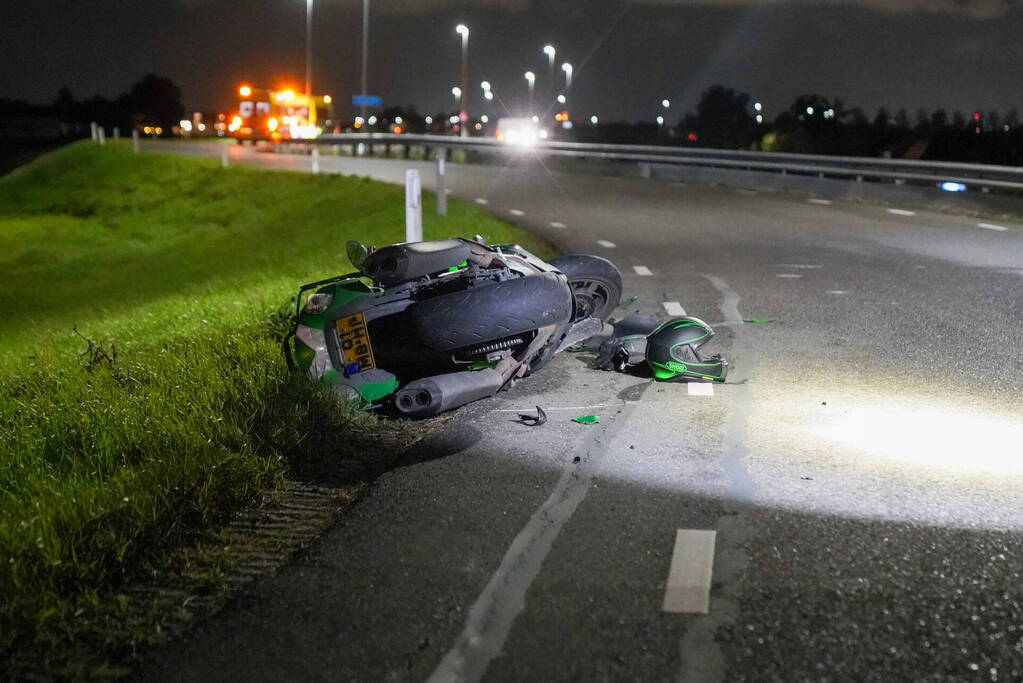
{"x": 492, "y": 615}
{"x": 836, "y": 291}
{"x": 642, "y": 270}
{"x": 677, "y": 184}
{"x": 481, "y": 201}
{"x": 692, "y": 566}
{"x": 800, "y": 266}
{"x": 790, "y": 276}
{"x": 517, "y": 212}
{"x": 531, "y": 409}
{"x": 673, "y": 308}
{"x": 821, "y": 202}
{"x": 606, "y": 244}
{"x": 901, "y": 212}
{"x": 558, "y": 224}
{"x": 729, "y": 300}
{"x": 744, "y": 191}
{"x": 700, "y": 388}
{"x": 992, "y": 226}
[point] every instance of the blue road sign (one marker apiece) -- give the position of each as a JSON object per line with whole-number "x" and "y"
{"x": 366, "y": 100}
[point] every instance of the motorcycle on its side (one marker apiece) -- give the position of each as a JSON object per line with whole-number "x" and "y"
{"x": 431, "y": 326}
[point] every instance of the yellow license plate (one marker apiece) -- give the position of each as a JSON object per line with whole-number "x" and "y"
{"x": 354, "y": 340}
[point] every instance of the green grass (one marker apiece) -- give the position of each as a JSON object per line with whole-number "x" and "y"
{"x": 142, "y": 392}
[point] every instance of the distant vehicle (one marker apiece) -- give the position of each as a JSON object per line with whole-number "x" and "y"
{"x": 522, "y": 131}
{"x": 265, "y": 114}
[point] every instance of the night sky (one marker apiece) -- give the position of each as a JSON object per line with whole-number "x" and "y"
{"x": 956, "y": 54}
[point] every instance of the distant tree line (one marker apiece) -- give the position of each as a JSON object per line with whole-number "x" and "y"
{"x": 814, "y": 124}
{"x": 152, "y": 100}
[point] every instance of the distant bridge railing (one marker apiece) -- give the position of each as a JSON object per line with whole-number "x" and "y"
{"x": 984, "y": 176}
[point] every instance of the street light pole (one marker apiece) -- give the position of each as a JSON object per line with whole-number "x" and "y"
{"x": 550, "y": 52}
{"x": 531, "y": 79}
{"x": 365, "y": 50}
{"x": 309, "y": 48}
{"x": 463, "y": 114}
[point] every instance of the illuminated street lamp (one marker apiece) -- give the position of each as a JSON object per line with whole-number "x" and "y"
{"x": 531, "y": 79}
{"x": 665, "y": 103}
{"x": 309, "y": 48}
{"x": 567, "y": 68}
{"x": 463, "y": 114}
{"x": 485, "y": 86}
{"x": 488, "y": 95}
{"x": 660, "y": 120}
{"x": 550, "y": 52}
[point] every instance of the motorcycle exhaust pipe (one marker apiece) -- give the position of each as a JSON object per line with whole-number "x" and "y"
{"x": 433, "y": 395}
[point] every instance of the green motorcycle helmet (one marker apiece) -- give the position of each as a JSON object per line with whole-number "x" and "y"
{"x": 673, "y": 352}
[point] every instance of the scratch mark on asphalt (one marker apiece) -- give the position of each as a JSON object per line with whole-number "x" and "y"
{"x": 492, "y": 615}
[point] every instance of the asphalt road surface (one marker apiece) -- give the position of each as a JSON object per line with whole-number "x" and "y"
{"x": 861, "y": 468}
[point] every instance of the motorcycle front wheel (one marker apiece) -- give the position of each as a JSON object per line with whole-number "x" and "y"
{"x": 596, "y": 285}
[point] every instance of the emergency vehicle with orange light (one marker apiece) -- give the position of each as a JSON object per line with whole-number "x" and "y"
{"x": 266, "y": 114}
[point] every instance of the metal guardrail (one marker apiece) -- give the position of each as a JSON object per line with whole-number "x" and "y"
{"x": 1005, "y": 178}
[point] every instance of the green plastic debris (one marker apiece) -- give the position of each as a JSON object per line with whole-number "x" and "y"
{"x": 759, "y": 320}
{"x": 586, "y": 419}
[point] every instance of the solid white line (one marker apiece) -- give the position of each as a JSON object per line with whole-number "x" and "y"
{"x": 700, "y": 388}
{"x": 642, "y": 270}
{"x": 790, "y": 276}
{"x": 556, "y": 224}
{"x": 674, "y": 308}
{"x": 481, "y": 201}
{"x": 692, "y": 566}
{"x": 901, "y": 212}
{"x": 517, "y": 212}
{"x": 822, "y": 202}
{"x": 992, "y": 226}
{"x": 836, "y": 291}
{"x": 531, "y": 409}
{"x": 606, "y": 244}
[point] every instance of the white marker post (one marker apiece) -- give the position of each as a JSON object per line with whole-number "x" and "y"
{"x": 93, "y": 128}
{"x": 224, "y": 161}
{"x": 316, "y": 161}
{"x": 442, "y": 186}
{"x": 101, "y": 135}
{"x": 413, "y": 207}
{"x": 135, "y": 140}
{"x": 117, "y": 133}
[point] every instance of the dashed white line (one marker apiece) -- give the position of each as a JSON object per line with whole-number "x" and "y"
{"x": 558, "y": 224}
{"x": 788, "y": 276}
{"x": 821, "y": 202}
{"x": 517, "y": 212}
{"x": 700, "y": 389}
{"x": 992, "y": 226}
{"x": 606, "y": 244}
{"x": 642, "y": 270}
{"x": 901, "y": 212}
{"x": 744, "y": 191}
{"x": 674, "y": 308}
{"x": 836, "y": 291}
{"x": 801, "y": 266}
{"x": 481, "y": 201}
{"x": 692, "y": 566}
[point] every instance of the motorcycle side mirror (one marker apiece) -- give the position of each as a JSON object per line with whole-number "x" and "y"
{"x": 357, "y": 253}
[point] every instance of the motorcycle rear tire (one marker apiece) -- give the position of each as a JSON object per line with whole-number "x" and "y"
{"x": 482, "y": 314}
{"x": 596, "y": 284}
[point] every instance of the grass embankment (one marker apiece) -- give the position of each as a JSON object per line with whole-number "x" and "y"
{"x": 178, "y": 408}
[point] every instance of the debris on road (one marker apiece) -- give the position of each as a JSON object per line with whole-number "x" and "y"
{"x": 534, "y": 420}
{"x": 586, "y": 419}
{"x": 759, "y": 320}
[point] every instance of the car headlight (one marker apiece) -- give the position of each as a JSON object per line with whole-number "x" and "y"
{"x": 318, "y": 303}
